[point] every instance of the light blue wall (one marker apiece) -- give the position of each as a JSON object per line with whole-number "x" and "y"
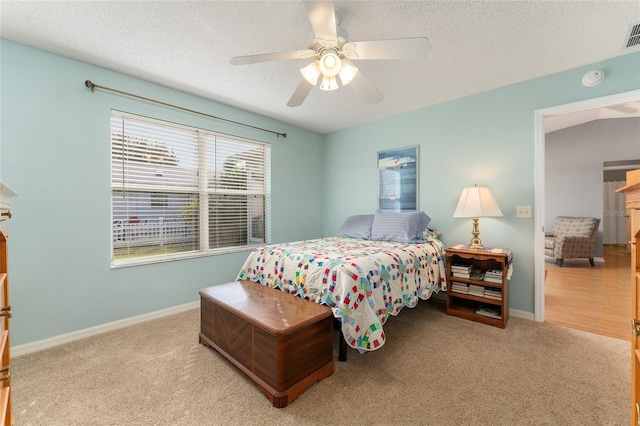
{"x": 485, "y": 139}
{"x": 56, "y": 156}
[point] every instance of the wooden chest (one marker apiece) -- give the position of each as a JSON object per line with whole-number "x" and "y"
{"x": 282, "y": 342}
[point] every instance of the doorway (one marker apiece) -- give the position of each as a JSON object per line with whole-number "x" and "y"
{"x": 616, "y": 224}
{"x": 539, "y": 177}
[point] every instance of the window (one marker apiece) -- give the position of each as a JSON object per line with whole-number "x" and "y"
{"x": 178, "y": 191}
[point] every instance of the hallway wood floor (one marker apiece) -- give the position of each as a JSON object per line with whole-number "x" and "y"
{"x": 595, "y": 299}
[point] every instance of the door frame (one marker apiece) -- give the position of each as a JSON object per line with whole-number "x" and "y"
{"x": 539, "y": 177}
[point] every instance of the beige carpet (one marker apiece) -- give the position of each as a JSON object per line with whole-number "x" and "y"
{"x": 433, "y": 370}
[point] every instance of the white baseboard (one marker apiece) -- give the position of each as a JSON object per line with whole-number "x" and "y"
{"x": 517, "y": 313}
{"x": 40, "y": 345}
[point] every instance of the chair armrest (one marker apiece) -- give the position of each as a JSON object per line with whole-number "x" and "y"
{"x": 563, "y": 239}
{"x": 571, "y": 246}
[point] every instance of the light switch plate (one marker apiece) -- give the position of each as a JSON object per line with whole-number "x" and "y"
{"x": 523, "y": 212}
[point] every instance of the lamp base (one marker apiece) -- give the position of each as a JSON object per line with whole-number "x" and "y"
{"x": 475, "y": 243}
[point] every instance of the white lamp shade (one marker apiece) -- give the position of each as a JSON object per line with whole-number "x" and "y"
{"x": 330, "y": 64}
{"x": 311, "y": 72}
{"x": 328, "y": 83}
{"x": 477, "y": 201}
{"x": 347, "y": 72}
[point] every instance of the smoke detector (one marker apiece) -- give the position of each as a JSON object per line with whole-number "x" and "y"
{"x": 593, "y": 78}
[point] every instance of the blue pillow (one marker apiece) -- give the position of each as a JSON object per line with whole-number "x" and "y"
{"x": 405, "y": 227}
{"x": 357, "y": 226}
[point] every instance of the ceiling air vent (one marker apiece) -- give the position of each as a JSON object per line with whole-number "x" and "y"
{"x": 633, "y": 36}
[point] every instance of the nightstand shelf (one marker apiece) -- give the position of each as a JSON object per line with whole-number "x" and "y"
{"x": 477, "y": 298}
{"x": 476, "y": 293}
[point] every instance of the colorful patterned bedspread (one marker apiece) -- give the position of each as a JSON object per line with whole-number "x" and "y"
{"x": 363, "y": 281}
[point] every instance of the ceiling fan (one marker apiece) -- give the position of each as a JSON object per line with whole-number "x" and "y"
{"x": 332, "y": 54}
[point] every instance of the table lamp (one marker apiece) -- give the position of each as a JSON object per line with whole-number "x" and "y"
{"x": 476, "y": 202}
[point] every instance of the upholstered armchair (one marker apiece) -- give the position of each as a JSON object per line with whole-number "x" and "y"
{"x": 572, "y": 238}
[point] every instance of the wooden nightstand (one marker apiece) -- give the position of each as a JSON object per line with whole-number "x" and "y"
{"x": 478, "y": 284}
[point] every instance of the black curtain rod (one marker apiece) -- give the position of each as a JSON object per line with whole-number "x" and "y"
{"x": 93, "y": 86}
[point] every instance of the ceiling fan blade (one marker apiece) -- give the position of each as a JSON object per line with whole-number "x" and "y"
{"x": 400, "y": 48}
{"x": 300, "y": 94}
{"x": 365, "y": 89}
{"x": 322, "y": 17}
{"x": 266, "y": 57}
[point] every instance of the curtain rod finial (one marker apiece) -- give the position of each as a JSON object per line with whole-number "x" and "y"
{"x": 89, "y": 84}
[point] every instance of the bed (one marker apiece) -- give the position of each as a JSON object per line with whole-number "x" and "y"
{"x": 365, "y": 275}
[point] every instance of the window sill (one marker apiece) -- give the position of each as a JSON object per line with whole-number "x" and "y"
{"x": 125, "y": 263}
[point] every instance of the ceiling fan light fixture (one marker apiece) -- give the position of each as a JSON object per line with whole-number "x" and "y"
{"x": 328, "y": 83}
{"x": 347, "y": 72}
{"x": 330, "y": 50}
{"x": 311, "y": 72}
{"x": 330, "y": 64}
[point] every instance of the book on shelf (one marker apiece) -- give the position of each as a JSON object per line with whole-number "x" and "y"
{"x": 461, "y": 275}
{"x": 460, "y": 288}
{"x": 461, "y": 265}
{"x": 473, "y": 274}
{"x": 458, "y": 267}
{"x": 476, "y": 290}
{"x": 496, "y": 298}
{"x": 493, "y": 276}
{"x": 461, "y": 271}
{"x": 491, "y": 293}
{"x": 489, "y": 311}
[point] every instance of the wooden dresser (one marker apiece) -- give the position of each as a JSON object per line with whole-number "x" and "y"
{"x": 632, "y": 191}
{"x": 6, "y": 413}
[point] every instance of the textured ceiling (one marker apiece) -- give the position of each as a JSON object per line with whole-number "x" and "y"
{"x": 476, "y": 46}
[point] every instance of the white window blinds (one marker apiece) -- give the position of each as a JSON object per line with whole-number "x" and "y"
{"x": 179, "y": 191}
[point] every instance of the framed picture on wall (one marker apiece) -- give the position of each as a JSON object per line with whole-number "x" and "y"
{"x": 398, "y": 180}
